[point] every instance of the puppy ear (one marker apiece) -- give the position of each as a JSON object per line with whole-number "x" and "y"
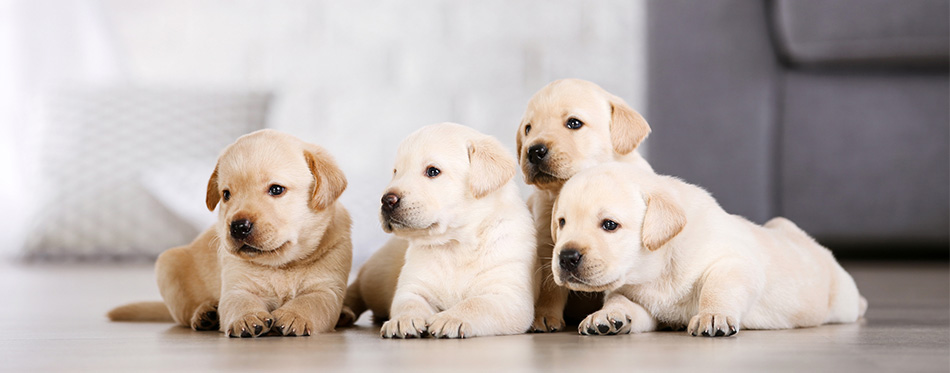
{"x": 328, "y": 179}
{"x": 518, "y": 140}
{"x": 554, "y": 221}
{"x": 664, "y": 219}
{"x": 213, "y": 196}
{"x": 491, "y": 166}
{"x": 627, "y": 127}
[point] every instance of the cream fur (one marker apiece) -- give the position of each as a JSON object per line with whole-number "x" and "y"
{"x": 710, "y": 272}
{"x": 469, "y": 266}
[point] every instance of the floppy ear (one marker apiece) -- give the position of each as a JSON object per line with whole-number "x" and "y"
{"x": 627, "y": 127}
{"x": 664, "y": 219}
{"x": 518, "y": 140}
{"x": 328, "y": 179}
{"x": 491, "y": 166}
{"x": 213, "y": 196}
{"x": 554, "y": 222}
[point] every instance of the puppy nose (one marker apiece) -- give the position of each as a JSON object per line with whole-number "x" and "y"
{"x": 240, "y": 229}
{"x": 569, "y": 259}
{"x": 536, "y": 153}
{"x": 390, "y": 201}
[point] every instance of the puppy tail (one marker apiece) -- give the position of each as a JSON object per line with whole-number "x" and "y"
{"x": 353, "y": 305}
{"x": 141, "y": 311}
{"x": 862, "y": 306}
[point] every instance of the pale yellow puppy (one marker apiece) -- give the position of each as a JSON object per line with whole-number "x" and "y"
{"x": 665, "y": 252}
{"x": 277, "y": 259}
{"x": 465, "y": 242}
{"x": 570, "y": 125}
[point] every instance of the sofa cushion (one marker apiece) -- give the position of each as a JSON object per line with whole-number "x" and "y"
{"x": 905, "y": 33}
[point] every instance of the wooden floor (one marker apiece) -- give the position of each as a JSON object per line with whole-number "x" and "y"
{"x": 52, "y": 319}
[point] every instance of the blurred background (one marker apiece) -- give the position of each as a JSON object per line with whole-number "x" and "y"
{"x": 834, "y": 114}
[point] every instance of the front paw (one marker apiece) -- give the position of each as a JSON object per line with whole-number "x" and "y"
{"x": 606, "y": 323}
{"x": 205, "y": 316}
{"x": 347, "y": 318}
{"x": 546, "y": 321}
{"x": 713, "y": 325}
{"x": 404, "y": 327}
{"x": 446, "y": 326}
{"x": 250, "y": 325}
{"x": 292, "y": 324}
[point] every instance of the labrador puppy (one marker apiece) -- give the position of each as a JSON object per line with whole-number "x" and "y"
{"x": 664, "y": 251}
{"x": 570, "y": 125}
{"x": 462, "y": 263}
{"x": 277, "y": 259}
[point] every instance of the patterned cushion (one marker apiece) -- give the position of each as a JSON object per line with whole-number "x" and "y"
{"x": 98, "y": 144}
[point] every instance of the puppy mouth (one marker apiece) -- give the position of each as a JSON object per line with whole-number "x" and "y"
{"x": 536, "y": 175}
{"x": 249, "y": 252}
{"x": 571, "y": 280}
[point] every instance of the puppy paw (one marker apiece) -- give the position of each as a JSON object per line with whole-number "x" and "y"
{"x": 292, "y": 324}
{"x": 547, "y": 323}
{"x": 404, "y": 327}
{"x": 446, "y": 326}
{"x": 606, "y": 323}
{"x": 250, "y": 325}
{"x": 347, "y": 318}
{"x": 713, "y": 325}
{"x": 205, "y": 317}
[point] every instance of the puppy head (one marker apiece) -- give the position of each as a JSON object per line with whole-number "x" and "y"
{"x": 571, "y": 125}
{"x": 442, "y": 172}
{"x": 274, "y": 195}
{"x": 610, "y": 231}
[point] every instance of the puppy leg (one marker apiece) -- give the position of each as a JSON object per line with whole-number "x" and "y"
{"x": 727, "y": 292}
{"x": 313, "y": 312}
{"x": 495, "y": 314}
{"x": 191, "y": 299}
{"x": 549, "y": 308}
{"x": 620, "y": 315}
{"x": 407, "y": 317}
{"x": 244, "y": 315}
{"x": 353, "y": 305}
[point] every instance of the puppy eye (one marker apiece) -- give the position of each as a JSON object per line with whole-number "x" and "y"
{"x": 276, "y": 190}
{"x": 226, "y": 195}
{"x": 560, "y": 223}
{"x": 394, "y": 171}
{"x": 527, "y": 129}
{"x": 432, "y": 172}
{"x": 609, "y": 225}
{"x": 574, "y": 123}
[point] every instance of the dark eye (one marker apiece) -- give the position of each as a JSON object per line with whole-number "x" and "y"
{"x": 609, "y": 225}
{"x": 276, "y": 190}
{"x": 574, "y": 123}
{"x": 560, "y": 222}
{"x": 527, "y": 129}
{"x": 226, "y": 194}
{"x": 433, "y": 172}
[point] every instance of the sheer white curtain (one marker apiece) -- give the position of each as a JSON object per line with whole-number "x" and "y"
{"x": 44, "y": 44}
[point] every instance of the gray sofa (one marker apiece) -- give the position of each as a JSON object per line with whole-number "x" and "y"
{"x": 832, "y": 113}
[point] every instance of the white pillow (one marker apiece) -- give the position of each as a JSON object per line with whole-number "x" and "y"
{"x": 96, "y": 144}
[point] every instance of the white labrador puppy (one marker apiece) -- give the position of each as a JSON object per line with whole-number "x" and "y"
{"x": 666, "y": 252}
{"x": 469, "y": 265}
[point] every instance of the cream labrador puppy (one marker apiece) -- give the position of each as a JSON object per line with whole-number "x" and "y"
{"x": 665, "y": 252}
{"x": 462, "y": 264}
{"x": 570, "y": 125}
{"x": 277, "y": 259}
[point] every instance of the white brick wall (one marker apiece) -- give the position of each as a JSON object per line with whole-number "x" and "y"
{"x": 356, "y": 76}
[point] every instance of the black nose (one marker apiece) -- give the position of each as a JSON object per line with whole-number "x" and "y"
{"x": 240, "y": 229}
{"x": 390, "y": 202}
{"x": 569, "y": 259}
{"x": 536, "y": 153}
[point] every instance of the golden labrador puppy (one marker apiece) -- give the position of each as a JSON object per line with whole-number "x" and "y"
{"x": 462, "y": 264}
{"x": 278, "y": 258}
{"x": 665, "y": 252}
{"x": 570, "y": 125}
